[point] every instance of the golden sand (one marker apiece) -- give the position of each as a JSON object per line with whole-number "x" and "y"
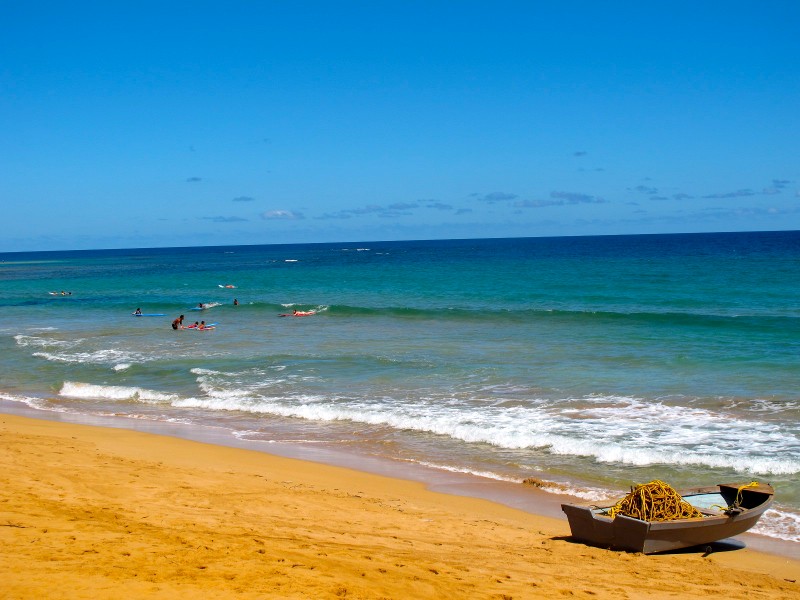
{"x": 88, "y": 512}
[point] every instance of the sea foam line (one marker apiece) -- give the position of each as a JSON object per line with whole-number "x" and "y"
{"x": 620, "y": 431}
{"x": 25, "y": 341}
{"x": 87, "y": 391}
{"x": 101, "y": 357}
{"x": 37, "y": 403}
{"x": 633, "y": 433}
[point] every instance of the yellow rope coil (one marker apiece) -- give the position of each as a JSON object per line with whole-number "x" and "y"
{"x": 654, "y": 501}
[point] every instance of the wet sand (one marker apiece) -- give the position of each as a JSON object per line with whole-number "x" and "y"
{"x": 97, "y": 512}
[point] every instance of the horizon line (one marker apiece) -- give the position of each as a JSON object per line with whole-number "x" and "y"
{"x": 395, "y": 241}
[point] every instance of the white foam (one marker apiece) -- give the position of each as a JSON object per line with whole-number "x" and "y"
{"x": 122, "y": 367}
{"x": 88, "y": 391}
{"x": 26, "y": 341}
{"x": 583, "y": 492}
{"x": 212, "y": 383}
{"x": 464, "y": 470}
{"x": 37, "y": 403}
{"x": 206, "y": 305}
{"x": 199, "y": 371}
{"x": 99, "y": 357}
{"x": 779, "y": 523}
{"x": 257, "y": 436}
{"x": 610, "y": 430}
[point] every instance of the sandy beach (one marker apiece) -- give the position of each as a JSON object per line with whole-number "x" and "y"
{"x": 92, "y": 512}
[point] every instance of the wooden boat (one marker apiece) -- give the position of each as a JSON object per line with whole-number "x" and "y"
{"x": 728, "y": 509}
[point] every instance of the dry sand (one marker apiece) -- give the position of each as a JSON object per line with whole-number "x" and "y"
{"x": 90, "y": 512}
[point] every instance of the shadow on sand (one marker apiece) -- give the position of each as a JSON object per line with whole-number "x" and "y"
{"x": 727, "y": 545}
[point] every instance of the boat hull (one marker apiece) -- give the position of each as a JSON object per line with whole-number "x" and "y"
{"x": 588, "y": 525}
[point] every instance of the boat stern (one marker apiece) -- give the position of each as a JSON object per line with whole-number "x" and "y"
{"x": 621, "y": 533}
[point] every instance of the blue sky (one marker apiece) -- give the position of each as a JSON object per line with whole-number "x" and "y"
{"x": 180, "y": 124}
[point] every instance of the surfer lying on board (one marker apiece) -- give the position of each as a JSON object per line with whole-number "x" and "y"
{"x": 138, "y": 311}
{"x": 302, "y": 313}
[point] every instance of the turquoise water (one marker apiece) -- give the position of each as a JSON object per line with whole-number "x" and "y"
{"x": 592, "y": 362}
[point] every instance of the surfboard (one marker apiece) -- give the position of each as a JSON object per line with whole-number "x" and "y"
{"x": 149, "y": 315}
{"x": 209, "y": 326}
{"x": 308, "y": 314}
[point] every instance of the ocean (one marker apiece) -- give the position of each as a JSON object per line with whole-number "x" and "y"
{"x": 591, "y": 363}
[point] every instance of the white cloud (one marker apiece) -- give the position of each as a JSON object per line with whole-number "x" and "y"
{"x": 272, "y": 215}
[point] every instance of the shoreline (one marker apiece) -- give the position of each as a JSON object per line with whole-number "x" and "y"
{"x": 510, "y": 494}
{"x": 92, "y": 512}
{"x": 513, "y": 495}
